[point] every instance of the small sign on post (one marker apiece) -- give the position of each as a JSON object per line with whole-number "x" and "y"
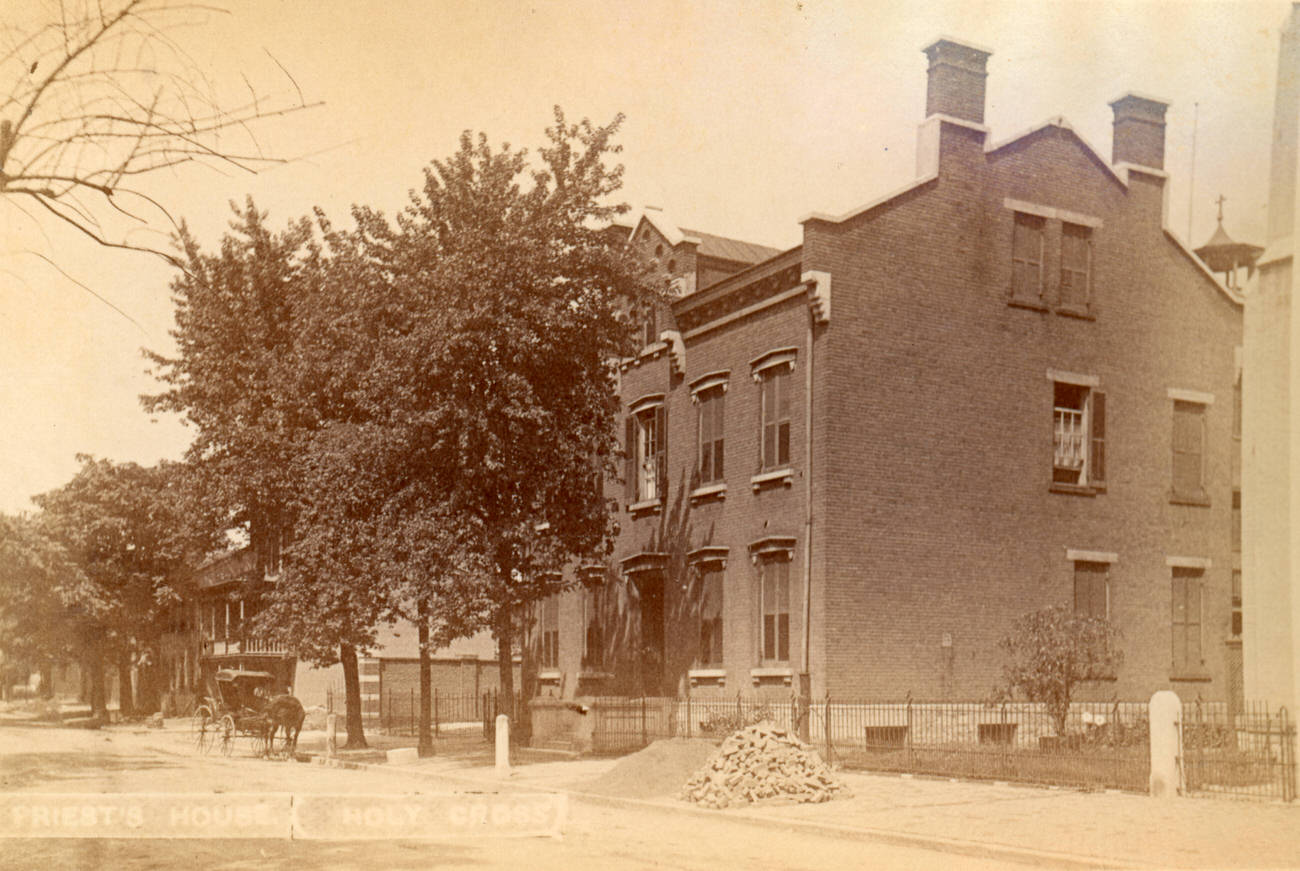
{"x": 503, "y": 745}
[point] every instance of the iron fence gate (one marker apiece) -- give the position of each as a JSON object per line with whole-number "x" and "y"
{"x": 1240, "y": 750}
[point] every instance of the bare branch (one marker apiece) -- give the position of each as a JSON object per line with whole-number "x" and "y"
{"x": 45, "y": 203}
{"x": 102, "y": 92}
{"x": 89, "y": 290}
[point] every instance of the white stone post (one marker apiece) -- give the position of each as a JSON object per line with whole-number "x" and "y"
{"x": 1165, "y": 714}
{"x": 503, "y": 745}
{"x": 331, "y": 735}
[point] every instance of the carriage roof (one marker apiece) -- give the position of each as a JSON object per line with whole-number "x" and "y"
{"x": 230, "y": 675}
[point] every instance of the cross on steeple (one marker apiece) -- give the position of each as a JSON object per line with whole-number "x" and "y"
{"x": 1220, "y": 201}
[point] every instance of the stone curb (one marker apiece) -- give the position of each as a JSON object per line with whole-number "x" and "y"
{"x": 936, "y": 843}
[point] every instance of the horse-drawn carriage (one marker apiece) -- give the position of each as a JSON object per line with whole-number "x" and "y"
{"x": 247, "y": 704}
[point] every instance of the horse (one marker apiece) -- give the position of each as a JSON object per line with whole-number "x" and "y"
{"x": 287, "y": 713}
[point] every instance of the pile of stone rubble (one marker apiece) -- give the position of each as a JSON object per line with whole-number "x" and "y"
{"x": 762, "y": 763}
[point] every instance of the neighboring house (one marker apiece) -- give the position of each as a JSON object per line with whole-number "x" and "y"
{"x": 856, "y": 462}
{"x": 213, "y": 631}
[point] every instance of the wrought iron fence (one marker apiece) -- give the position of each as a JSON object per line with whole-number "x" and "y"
{"x": 1245, "y": 750}
{"x": 1100, "y": 745}
{"x": 1103, "y": 745}
{"x": 399, "y": 712}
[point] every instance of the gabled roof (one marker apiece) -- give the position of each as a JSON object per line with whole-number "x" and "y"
{"x": 1061, "y": 123}
{"x": 707, "y": 244}
{"x": 730, "y": 249}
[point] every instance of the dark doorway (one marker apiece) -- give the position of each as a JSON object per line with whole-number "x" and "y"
{"x": 650, "y": 588}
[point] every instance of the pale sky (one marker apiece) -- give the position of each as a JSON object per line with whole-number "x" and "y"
{"x": 741, "y": 117}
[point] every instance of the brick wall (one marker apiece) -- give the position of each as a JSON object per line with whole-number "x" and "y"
{"x": 934, "y": 522}
{"x": 938, "y": 517}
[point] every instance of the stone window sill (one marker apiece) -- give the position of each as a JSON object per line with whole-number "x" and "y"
{"x": 785, "y": 477}
{"x": 550, "y": 675}
{"x": 709, "y": 491}
{"x": 716, "y": 676}
{"x": 652, "y": 506}
{"x": 1072, "y": 489}
{"x": 1074, "y": 311}
{"x": 1195, "y": 501}
{"x": 1032, "y": 305}
{"x": 772, "y": 673}
{"x": 1196, "y": 677}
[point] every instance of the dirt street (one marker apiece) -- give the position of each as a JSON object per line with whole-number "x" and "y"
{"x": 36, "y": 760}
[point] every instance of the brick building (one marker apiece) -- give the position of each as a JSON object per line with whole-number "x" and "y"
{"x": 1002, "y": 387}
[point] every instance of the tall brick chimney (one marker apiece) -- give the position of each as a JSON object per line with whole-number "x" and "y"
{"x": 956, "y": 80}
{"x": 1139, "y": 131}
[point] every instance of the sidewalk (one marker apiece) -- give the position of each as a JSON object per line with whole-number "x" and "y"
{"x": 1039, "y": 826}
{"x": 1044, "y": 827}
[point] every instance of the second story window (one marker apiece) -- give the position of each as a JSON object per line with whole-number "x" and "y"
{"x": 1076, "y": 266}
{"x": 646, "y": 452}
{"x": 1027, "y": 258}
{"x": 1189, "y": 453}
{"x": 712, "y": 406}
{"x": 775, "y": 418}
{"x": 1078, "y": 435}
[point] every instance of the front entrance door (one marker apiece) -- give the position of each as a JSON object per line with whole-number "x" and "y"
{"x": 650, "y": 586}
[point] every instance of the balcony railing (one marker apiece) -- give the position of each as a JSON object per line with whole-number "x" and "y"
{"x": 1068, "y": 438}
{"x": 228, "y": 646}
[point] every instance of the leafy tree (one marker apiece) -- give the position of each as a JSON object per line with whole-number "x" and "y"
{"x": 259, "y": 373}
{"x": 38, "y": 583}
{"x": 132, "y": 531}
{"x": 495, "y": 382}
{"x": 99, "y": 96}
{"x": 1052, "y": 651}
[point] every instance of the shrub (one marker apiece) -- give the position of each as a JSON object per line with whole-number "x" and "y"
{"x": 725, "y": 723}
{"x": 1054, "y": 650}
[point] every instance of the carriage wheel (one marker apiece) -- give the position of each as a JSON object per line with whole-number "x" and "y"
{"x": 226, "y": 734}
{"x": 202, "y": 728}
{"x": 259, "y": 742}
{"x": 280, "y": 744}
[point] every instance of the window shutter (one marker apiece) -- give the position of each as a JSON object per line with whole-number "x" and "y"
{"x": 629, "y": 461}
{"x": 661, "y": 452}
{"x": 1097, "y": 464}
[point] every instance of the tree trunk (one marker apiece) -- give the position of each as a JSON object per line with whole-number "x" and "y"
{"x": 152, "y": 678}
{"x": 426, "y": 683}
{"x": 352, "y": 691}
{"x": 47, "y": 679}
{"x": 506, "y": 670}
{"x": 125, "y": 695}
{"x": 94, "y": 667}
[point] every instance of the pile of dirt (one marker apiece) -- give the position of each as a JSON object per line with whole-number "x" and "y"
{"x": 658, "y": 770}
{"x": 762, "y": 763}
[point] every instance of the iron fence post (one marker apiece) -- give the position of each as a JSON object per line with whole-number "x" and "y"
{"x": 1268, "y": 744}
{"x": 411, "y": 710}
{"x": 1004, "y": 741}
{"x": 435, "y": 711}
{"x": 1288, "y": 755}
{"x": 830, "y": 744}
{"x": 688, "y": 707}
{"x": 907, "y": 735}
{"x": 644, "y": 739}
{"x": 1114, "y": 744}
